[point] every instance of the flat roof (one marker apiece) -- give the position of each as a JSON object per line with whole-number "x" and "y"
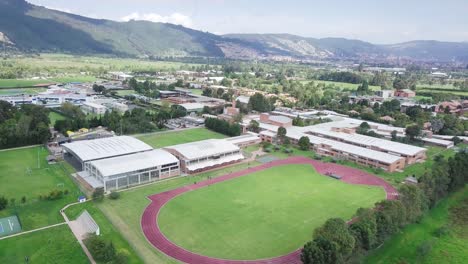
{"x": 387, "y": 145}
{"x": 133, "y": 162}
{"x": 192, "y": 106}
{"x": 355, "y": 150}
{"x": 280, "y": 119}
{"x": 204, "y": 148}
{"x": 94, "y": 105}
{"x": 95, "y": 149}
{"x": 243, "y": 138}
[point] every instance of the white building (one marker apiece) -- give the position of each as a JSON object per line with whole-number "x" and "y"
{"x": 92, "y": 108}
{"x": 134, "y": 169}
{"x": 119, "y": 162}
{"x": 207, "y": 154}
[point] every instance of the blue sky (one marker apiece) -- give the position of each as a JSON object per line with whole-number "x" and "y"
{"x": 377, "y": 21}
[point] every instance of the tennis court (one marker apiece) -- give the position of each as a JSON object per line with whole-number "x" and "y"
{"x": 9, "y": 225}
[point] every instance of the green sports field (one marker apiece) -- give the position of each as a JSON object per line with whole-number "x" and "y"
{"x": 266, "y": 214}
{"x": 164, "y": 139}
{"x": 20, "y": 176}
{"x": 50, "y": 246}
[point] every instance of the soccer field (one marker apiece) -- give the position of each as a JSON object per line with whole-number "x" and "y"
{"x": 265, "y": 214}
{"x": 164, "y": 139}
{"x": 25, "y": 173}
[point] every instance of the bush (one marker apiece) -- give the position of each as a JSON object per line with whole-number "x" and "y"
{"x": 114, "y": 195}
{"x": 441, "y": 231}
{"x": 424, "y": 248}
{"x": 3, "y": 202}
{"x": 98, "y": 194}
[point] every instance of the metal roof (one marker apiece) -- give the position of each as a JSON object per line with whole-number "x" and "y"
{"x": 355, "y": 150}
{"x": 383, "y": 144}
{"x": 95, "y": 149}
{"x": 133, "y": 162}
{"x": 205, "y": 148}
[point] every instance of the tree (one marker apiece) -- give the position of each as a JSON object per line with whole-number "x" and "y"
{"x": 259, "y": 103}
{"x": 414, "y": 201}
{"x": 3, "y": 202}
{"x": 320, "y": 251}
{"x": 297, "y": 121}
{"x": 98, "y": 194}
{"x": 336, "y": 231}
{"x": 281, "y": 133}
{"x": 363, "y": 88}
{"x": 394, "y": 135}
{"x": 304, "y": 143}
{"x": 413, "y": 131}
{"x": 364, "y": 229}
{"x": 254, "y": 126}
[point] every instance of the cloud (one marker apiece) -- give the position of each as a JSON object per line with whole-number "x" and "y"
{"x": 174, "y": 18}
{"x": 66, "y": 10}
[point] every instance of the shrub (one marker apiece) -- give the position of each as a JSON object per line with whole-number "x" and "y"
{"x": 98, "y": 194}
{"x": 441, "y": 231}
{"x": 424, "y": 248}
{"x": 114, "y": 195}
{"x": 3, "y": 202}
{"x": 23, "y": 199}
{"x": 66, "y": 192}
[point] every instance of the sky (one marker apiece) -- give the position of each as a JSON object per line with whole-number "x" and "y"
{"x": 376, "y": 21}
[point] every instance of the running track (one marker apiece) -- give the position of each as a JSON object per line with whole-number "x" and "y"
{"x": 157, "y": 239}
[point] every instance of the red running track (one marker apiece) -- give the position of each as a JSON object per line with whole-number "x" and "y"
{"x": 157, "y": 239}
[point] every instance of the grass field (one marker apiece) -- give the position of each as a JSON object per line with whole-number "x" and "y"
{"x": 125, "y": 213}
{"x": 53, "y": 116}
{"x": 450, "y": 248}
{"x": 125, "y": 92}
{"x": 52, "y": 246}
{"x": 75, "y": 64}
{"x": 342, "y": 85}
{"x": 16, "y": 182}
{"x": 266, "y": 214}
{"x": 25, "y": 91}
{"x": 163, "y": 139}
{"x": 108, "y": 231}
{"x": 12, "y": 83}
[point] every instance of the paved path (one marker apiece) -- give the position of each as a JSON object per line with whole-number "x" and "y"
{"x": 77, "y": 233}
{"x": 157, "y": 239}
{"x": 31, "y": 231}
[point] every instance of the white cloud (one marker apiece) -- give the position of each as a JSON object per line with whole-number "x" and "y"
{"x": 174, "y": 18}
{"x": 66, "y": 10}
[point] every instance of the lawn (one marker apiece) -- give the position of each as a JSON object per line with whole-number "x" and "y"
{"x": 17, "y": 182}
{"x": 54, "y": 245}
{"x": 450, "y": 248}
{"x": 54, "y": 116}
{"x": 164, "y": 139}
{"x": 265, "y": 214}
{"x": 342, "y": 85}
{"x": 14, "y": 83}
{"x": 125, "y": 213}
{"x": 20, "y": 91}
{"x": 108, "y": 231}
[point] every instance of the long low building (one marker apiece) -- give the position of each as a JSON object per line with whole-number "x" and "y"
{"x": 204, "y": 155}
{"x": 89, "y": 150}
{"x": 129, "y": 170}
{"x": 412, "y": 154}
{"x": 119, "y": 162}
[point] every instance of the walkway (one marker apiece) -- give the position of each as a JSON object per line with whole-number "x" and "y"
{"x": 157, "y": 239}
{"x": 77, "y": 233}
{"x": 32, "y": 231}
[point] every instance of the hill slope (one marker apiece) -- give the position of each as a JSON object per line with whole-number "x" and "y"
{"x": 32, "y": 28}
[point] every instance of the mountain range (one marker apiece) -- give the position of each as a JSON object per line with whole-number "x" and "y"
{"x": 29, "y": 28}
